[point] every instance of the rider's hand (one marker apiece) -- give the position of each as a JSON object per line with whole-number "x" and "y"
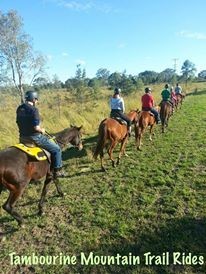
{"x": 43, "y": 130}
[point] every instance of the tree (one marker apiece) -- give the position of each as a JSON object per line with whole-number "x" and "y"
{"x": 188, "y": 70}
{"x": 148, "y": 77}
{"x": 115, "y": 79}
{"x": 166, "y": 76}
{"x": 102, "y": 75}
{"x": 19, "y": 63}
{"x": 202, "y": 74}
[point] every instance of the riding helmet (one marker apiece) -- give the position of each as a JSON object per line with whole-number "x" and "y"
{"x": 30, "y": 95}
{"x": 117, "y": 91}
{"x": 147, "y": 90}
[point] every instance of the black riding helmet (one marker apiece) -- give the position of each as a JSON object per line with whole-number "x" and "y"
{"x": 117, "y": 91}
{"x": 30, "y": 95}
{"x": 147, "y": 90}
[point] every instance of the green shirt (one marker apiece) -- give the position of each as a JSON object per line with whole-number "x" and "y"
{"x": 166, "y": 95}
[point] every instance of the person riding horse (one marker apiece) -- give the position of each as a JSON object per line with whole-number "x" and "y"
{"x": 148, "y": 104}
{"x": 178, "y": 90}
{"x": 166, "y": 96}
{"x": 118, "y": 108}
{"x": 28, "y": 121}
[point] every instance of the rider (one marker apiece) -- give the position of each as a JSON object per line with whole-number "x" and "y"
{"x": 148, "y": 104}
{"x": 166, "y": 96}
{"x": 173, "y": 96}
{"x": 28, "y": 121}
{"x": 118, "y": 108}
{"x": 178, "y": 90}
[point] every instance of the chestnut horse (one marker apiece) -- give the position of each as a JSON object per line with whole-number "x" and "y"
{"x": 180, "y": 99}
{"x": 17, "y": 169}
{"x": 165, "y": 113}
{"x": 111, "y": 131}
{"x": 145, "y": 119}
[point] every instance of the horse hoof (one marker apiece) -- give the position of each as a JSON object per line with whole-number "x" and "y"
{"x": 61, "y": 194}
{"x": 103, "y": 169}
{"x": 20, "y": 223}
{"x": 40, "y": 212}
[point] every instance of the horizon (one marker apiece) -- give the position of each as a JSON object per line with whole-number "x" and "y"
{"x": 116, "y": 36}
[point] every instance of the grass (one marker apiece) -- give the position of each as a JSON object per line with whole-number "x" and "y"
{"x": 153, "y": 202}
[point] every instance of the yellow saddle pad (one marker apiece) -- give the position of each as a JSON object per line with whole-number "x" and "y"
{"x": 35, "y": 152}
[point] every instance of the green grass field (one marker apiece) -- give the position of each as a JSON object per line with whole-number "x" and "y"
{"x": 154, "y": 201}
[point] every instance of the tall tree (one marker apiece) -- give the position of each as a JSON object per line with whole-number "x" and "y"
{"x": 102, "y": 75}
{"x": 188, "y": 70}
{"x": 19, "y": 63}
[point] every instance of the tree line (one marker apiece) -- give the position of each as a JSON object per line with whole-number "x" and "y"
{"x": 20, "y": 64}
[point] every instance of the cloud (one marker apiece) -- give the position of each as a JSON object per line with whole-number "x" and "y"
{"x": 83, "y": 5}
{"x": 192, "y": 35}
{"x": 49, "y": 57}
{"x": 65, "y": 54}
{"x": 122, "y": 45}
{"x": 80, "y": 62}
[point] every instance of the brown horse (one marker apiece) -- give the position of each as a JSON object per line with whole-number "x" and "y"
{"x": 111, "y": 131}
{"x": 17, "y": 169}
{"x": 179, "y": 101}
{"x": 165, "y": 113}
{"x": 145, "y": 119}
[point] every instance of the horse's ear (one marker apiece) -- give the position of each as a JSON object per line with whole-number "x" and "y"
{"x": 79, "y": 128}
{"x": 71, "y": 125}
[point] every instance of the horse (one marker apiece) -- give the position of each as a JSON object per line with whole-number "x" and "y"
{"x": 180, "y": 99}
{"x": 17, "y": 169}
{"x": 111, "y": 131}
{"x": 165, "y": 113}
{"x": 145, "y": 119}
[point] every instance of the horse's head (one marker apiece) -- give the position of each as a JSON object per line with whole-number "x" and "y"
{"x": 76, "y": 137}
{"x": 133, "y": 115}
{"x": 70, "y": 135}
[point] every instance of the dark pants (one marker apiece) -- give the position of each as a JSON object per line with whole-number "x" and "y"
{"x": 153, "y": 111}
{"x": 119, "y": 113}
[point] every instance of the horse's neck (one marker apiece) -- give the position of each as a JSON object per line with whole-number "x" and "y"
{"x": 63, "y": 138}
{"x": 132, "y": 116}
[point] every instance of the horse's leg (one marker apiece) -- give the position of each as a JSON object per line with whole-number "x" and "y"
{"x": 1, "y": 188}
{"x": 101, "y": 159}
{"x": 58, "y": 188}
{"x": 112, "y": 146}
{"x": 151, "y": 132}
{"x": 44, "y": 192}
{"x": 122, "y": 149}
{"x": 139, "y": 138}
{"x": 8, "y": 206}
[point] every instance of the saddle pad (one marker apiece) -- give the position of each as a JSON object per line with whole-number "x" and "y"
{"x": 35, "y": 152}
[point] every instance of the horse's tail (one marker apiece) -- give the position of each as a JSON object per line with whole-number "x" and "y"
{"x": 101, "y": 139}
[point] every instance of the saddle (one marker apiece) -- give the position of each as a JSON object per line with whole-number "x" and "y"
{"x": 120, "y": 120}
{"x": 150, "y": 113}
{"x": 32, "y": 150}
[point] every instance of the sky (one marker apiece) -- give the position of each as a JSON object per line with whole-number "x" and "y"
{"x": 119, "y": 35}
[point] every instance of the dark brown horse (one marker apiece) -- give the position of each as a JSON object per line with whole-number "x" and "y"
{"x": 112, "y": 132}
{"x": 145, "y": 119}
{"x": 165, "y": 113}
{"x": 17, "y": 169}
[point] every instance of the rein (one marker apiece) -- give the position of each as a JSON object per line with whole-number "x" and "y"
{"x": 54, "y": 139}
